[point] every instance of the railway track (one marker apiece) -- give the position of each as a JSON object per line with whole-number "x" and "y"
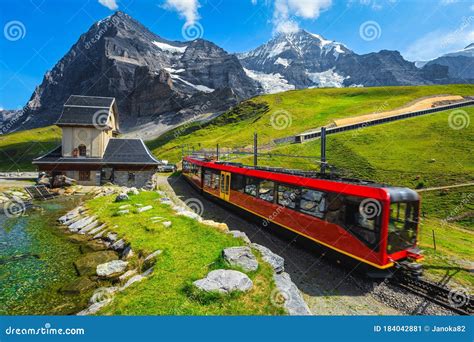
{"x": 458, "y": 301}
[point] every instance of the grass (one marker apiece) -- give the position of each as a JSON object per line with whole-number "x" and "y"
{"x": 18, "y": 149}
{"x": 417, "y": 152}
{"x": 190, "y": 251}
{"x": 454, "y": 254}
{"x": 306, "y": 109}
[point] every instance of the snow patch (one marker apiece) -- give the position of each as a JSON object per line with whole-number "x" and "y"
{"x": 282, "y": 61}
{"x": 199, "y": 87}
{"x": 328, "y": 78}
{"x": 271, "y": 83}
{"x": 169, "y": 48}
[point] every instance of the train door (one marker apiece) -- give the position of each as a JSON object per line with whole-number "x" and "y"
{"x": 225, "y": 185}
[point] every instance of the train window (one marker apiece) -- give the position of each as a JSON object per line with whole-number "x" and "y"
{"x": 207, "y": 177}
{"x": 288, "y": 196}
{"x": 313, "y": 202}
{"x": 266, "y": 190}
{"x": 215, "y": 180}
{"x": 237, "y": 182}
{"x": 402, "y": 226}
{"x": 363, "y": 226}
{"x": 251, "y": 186}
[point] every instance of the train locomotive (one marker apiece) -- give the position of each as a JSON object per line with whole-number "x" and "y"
{"x": 370, "y": 223}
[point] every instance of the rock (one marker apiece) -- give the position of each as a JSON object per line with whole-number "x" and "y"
{"x": 46, "y": 181}
{"x": 76, "y": 238}
{"x": 167, "y": 224}
{"x": 103, "y": 294}
{"x": 127, "y": 275}
{"x": 294, "y": 302}
{"x": 240, "y": 235}
{"x": 77, "y": 286}
{"x": 121, "y": 197}
{"x": 125, "y": 206}
{"x": 150, "y": 260}
{"x": 123, "y": 212}
{"x": 100, "y": 234}
{"x": 118, "y": 245}
{"x": 87, "y": 265}
{"x": 70, "y": 215}
{"x": 276, "y": 261}
{"x": 96, "y": 230}
{"x": 241, "y": 257}
{"x": 94, "y": 308}
{"x": 131, "y": 281}
{"x": 93, "y": 246}
{"x": 82, "y": 223}
{"x": 112, "y": 237}
{"x": 89, "y": 227}
{"x": 224, "y": 281}
{"x": 145, "y": 208}
{"x": 127, "y": 253}
{"x": 60, "y": 181}
{"x": 133, "y": 191}
{"x": 219, "y": 225}
{"x": 111, "y": 269}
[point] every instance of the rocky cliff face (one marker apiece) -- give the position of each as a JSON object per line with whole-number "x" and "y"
{"x": 459, "y": 65}
{"x": 148, "y": 75}
{"x": 302, "y": 59}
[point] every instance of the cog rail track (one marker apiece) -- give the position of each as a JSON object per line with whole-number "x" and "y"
{"x": 457, "y": 301}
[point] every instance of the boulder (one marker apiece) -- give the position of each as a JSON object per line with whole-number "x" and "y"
{"x": 81, "y": 223}
{"x": 127, "y": 275}
{"x": 127, "y": 253}
{"x": 287, "y": 290}
{"x": 145, "y": 208}
{"x": 150, "y": 260}
{"x": 93, "y": 246}
{"x": 224, "y": 281}
{"x": 276, "y": 261}
{"x": 60, "y": 181}
{"x": 133, "y": 191}
{"x": 121, "y": 197}
{"x": 87, "y": 265}
{"x": 111, "y": 269}
{"x": 240, "y": 235}
{"x": 132, "y": 280}
{"x": 167, "y": 224}
{"x": 118, "y": 245}
{"x": 241, "y": 257}
{"x": 78, "y": 286}
{"x": 219, "y": 225}
{"x": 46, "y": 181}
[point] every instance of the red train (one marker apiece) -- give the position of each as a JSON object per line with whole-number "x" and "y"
{"x": 371, "y": 223}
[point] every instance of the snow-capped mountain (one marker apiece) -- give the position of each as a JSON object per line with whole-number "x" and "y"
{"x": 303, "y": 59}
{"x": 295, "y": 60}
{"x": 460, "y": 64}
{"x": 152, "y": 78}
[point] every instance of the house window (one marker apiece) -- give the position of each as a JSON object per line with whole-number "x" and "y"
{"x": 82, "y": 150}
{"x": 84, "y": 175}
{"x": 131, "y": 177}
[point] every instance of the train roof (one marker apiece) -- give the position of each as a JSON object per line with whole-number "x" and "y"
{"x": 396, "y": 194}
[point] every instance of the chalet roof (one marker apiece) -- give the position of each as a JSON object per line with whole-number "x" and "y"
{"x": 118, "y": 152}
{"x": 87, "y": 111}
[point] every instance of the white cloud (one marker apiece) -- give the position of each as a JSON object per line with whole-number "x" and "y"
{"x": 188, "y": 9}
{"x": 448, "y": 2}
{"x": 437, "y": 43}
{"x": 110, "y": 4}
{"x": 286, "y": 12}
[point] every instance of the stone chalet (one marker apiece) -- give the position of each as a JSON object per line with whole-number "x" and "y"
{"x": 90, "y": 153}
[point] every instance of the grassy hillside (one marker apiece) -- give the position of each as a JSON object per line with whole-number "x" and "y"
{"x": 18, "y": 149}
{"x": 279, "y": 115}
{"x": 417, "y": 152}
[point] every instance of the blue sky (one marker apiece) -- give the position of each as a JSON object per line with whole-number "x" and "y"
{"x": 48, "y": 28}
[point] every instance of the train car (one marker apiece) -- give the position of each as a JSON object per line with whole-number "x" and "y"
{"x": 371, "y": 223}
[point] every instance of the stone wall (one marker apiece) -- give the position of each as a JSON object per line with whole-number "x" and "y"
{"x": 141, "y": 178}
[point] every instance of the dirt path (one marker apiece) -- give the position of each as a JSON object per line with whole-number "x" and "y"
{"x": 421, "y": 104}
{"x": 327, "y": 288}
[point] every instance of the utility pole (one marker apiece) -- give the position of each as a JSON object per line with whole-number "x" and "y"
{"x": 323, "y": 150}
{"x": 255, "y": 150}
{"x": 217, "y": 152}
